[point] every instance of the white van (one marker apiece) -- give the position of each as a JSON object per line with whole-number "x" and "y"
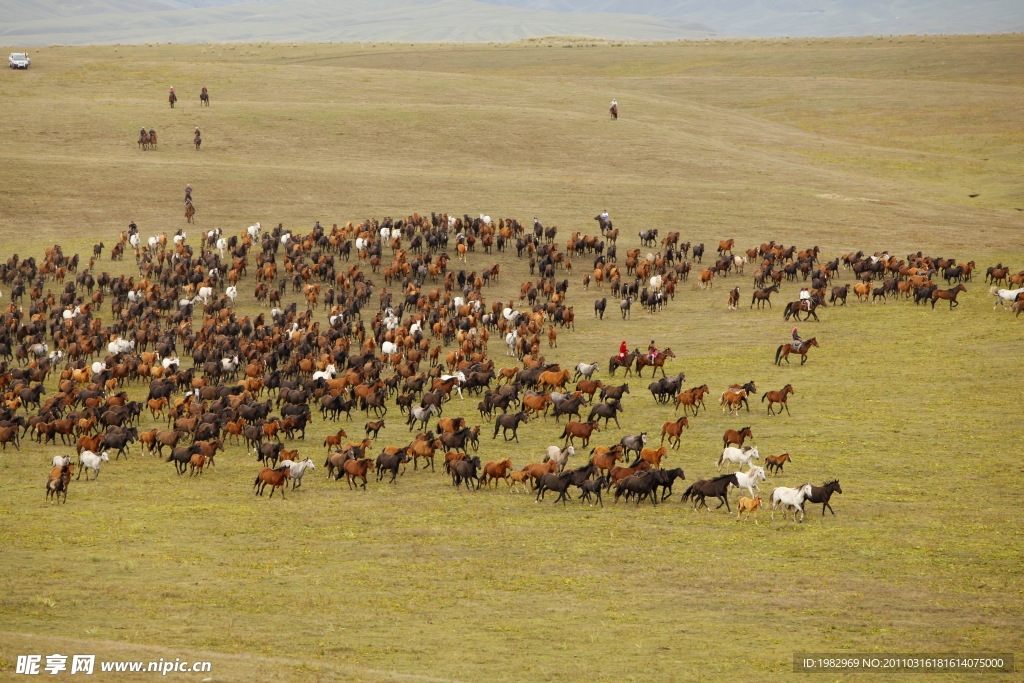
{"x": 19, "y": 60}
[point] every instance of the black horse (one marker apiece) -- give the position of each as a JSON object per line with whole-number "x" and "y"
{"x": 793, "y": 308}
{"x": 608, "y": 411}
{"x": 821, "y": 494}
{"x": 555, "y": 482}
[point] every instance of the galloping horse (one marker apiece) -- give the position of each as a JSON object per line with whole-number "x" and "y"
{"x": 190, "y": 211}
{"x": 658, "y": 363}
{"x": 947, "y": 294}
{"x": 781, "y": 397}
{"x": 204, "y": 98}
{"x": 783, "y": 351}
{"x": 198, "y": 140}
{"x": 807, "y": 305}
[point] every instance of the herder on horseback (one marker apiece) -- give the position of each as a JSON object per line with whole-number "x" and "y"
{"x": 614, "y": 110}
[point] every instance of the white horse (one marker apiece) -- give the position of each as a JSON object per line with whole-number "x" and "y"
{"x": 511, "y": 339}
{"x": 153, "y": 242}
{"x": 121, "y": 346}
{"x": 232, "y": 293}
{"x": 396, "y": 233}
{"x": 738, "y": 262}
{"x": 1005, "y": 296}
{"x": 788, "y": 498}
{"x": 421, "y": 415}
{"x": 56, "y": 356}
{"x": 510, "y": 314}
{"x": 178, "y": 239}
{"x": 656, "y": 283}
{"x": 738, "y": 456}
{"x": 297, "y": 469}
{"x": 205, "y": 293}
{"x": 336, "y": 320}
{"x": 748, "y": 480}
{"x": 417, "y": 327}
{"x": 559, "y": 455}
{"x": 485, "y": 219}
{"x": 328, "y": 373}
{"x": 169, "y": 361}
{"x": 61, "y": 460}
{"x": 229, "y": 366}
{"x": 586, "y": 370}
{"x": 134, "y": 295}
{"x": 361, "y": 244}
{"x": 88, "y": 460}
{"x": 135, "y": 241}
{"x": 254, "y": 231}
{"x": 222, "y": 244}
{"x": 98, "y": 367}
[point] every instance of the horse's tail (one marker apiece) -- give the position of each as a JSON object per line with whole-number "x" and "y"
{"x": 763, "y": 396}
{"x": 565, "y": 432}
{"x": 778, "y": 353}
{"x": 993, "y": 291}
{"x": 686, "y": 494}
{"x": 721, "y": 459}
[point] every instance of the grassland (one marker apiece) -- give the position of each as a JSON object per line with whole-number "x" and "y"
{"x": 915, "y": 411}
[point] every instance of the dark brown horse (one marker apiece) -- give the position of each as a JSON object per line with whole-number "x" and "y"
{"x": 715, "y": 488}
{"x": 763, "y": 296}
{"x": 190, "y": 211}
{"x": 821, "y": 494}
{"x": 781, "y": 397}
{"x": 198, "y": 140}
{"x": 204, "y": 98}
{"x": 793, "y": 308}
{"x": 614, "y": 111}
{"x": 948, "y": 295}
{"x": 732, "y": 436}
{"x": 783, "y": 351}
{"x": 172, "y": 98}
{"x": 626, "y": 362}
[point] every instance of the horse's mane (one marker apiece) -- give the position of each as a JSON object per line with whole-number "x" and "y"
{"x": 829, "y": 483}
{"x": 724, "y": 476}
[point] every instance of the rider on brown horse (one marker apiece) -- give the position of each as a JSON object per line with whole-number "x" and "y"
{"x": 652, "y": 351}
{"x": 797, "y": 341}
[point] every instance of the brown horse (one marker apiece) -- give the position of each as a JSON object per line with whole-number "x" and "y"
{"x": 493, "y": 471}
{"x": 782, "y": 353}
{"x": 198, "y": 140}
{"x": 781, "y": 397}
{"x": 654, "y": 455}
{"x": 658, "y": 363}
{"x": 190, "y": 211}
{"x": 693, "y": 398}
{"x": 144, "y": 140}
{"x": 607, "y": 459}
{"x": 731, "y": 401}
{"x": 948, "y": 295}
{"x": 674, "y": 430}
{"x": 204, "y": 98}
{"x": 726, "y": 246}
{"x": 356, "y": 469}
{"x": 774, "y": 463}
{"x": 732, "y": 436}
{"x": 172, "y": 98}
{"x": 734, "y": 299}
{"x": 583, "y": 430}
{"x": 274, "y": 477}
{"x": 614, "y": 112}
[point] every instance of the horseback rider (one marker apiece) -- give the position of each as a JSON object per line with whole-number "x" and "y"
{"x": 604, "y": 215}
{"x": 797, "y": 340}
{"x": 805, "y": 298}
{"x": 652, "y": 351}
{"x": 188, "y": 192}
{"x": 132, "y": 228}
{"x": 623, "y": 350}
{"x": 142, "y": 133}
{"x": 152, "y": 133}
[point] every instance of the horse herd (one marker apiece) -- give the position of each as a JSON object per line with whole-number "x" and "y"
{"x": 339, "y": 363}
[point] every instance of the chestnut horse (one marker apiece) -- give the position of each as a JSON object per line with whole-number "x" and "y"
{"x": 732, "y": 436}
{"x": 782, "y": 353}
{"x": 583, "y": 430}
{"x": 949, "y": 295}
{"x": 774, "y": 463}
{"x": 274, "y": 477}
{"x": 658, "y": 363}
{"x": 674, "y": 430}
{"x": 693, "y": 398}
{"x": 780, "y": 397}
